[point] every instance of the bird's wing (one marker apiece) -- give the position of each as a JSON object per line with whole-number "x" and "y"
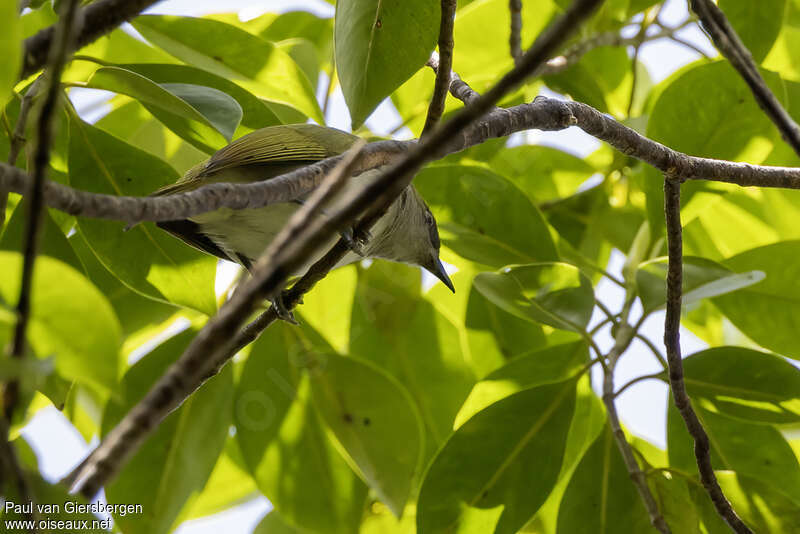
{"x": 282, "y": 148}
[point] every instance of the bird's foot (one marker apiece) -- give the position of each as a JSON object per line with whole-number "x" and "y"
{"x": 356, "y": 241}
{"x": 283, "y": 313}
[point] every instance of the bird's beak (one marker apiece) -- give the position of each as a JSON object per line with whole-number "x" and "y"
{"x": 439, "y": 272}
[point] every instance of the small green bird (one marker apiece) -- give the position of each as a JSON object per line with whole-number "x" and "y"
{"x": 406, "y": 233}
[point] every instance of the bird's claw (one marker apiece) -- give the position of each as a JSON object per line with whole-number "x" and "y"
{"x": 283, "y": 313}
{"x": 357, "y": 241}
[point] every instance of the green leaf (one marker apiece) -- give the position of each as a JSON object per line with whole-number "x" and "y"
{"x": 758, "y": 451}
{"x": 753, "y": 386}
{"x": 52, "y": 241}
{"x": 328, "y": 308}
{"x": 229, "y": 484}
{"x": 379, "y": 45}
{"x": 375, "y": 421}
{"x": 481, "y": 31}
{"x": 145, "y": 258}
{"x": 204, "y": 116}
{"x": 601, "y": 78}
{"x": 283, "y": 442}
{"x": 675, "y": 503}
{"x": 553, "y": 364}
{"x": 702, "y": 279}
{"x": 753, "y": 310}
{"x": 756, "y": 23}
{"x": 600, "y": 496}
{"x": 760, "y": 505}
{"x": 726, "y": 124}
{"x": 70, "y": 319}
{"x": 543, "y": 173}
{"x": 781, "y": 57}
{"x": 273, "y": 523}
{"x": 555, "y": 294}
{"x": 10, "y": 49}
{"x": 498, "y": 468}
{"x": 588, "y": 420}
{"x": 422, "y": 347}
{"x": 227, "y": 51}
{"x": 255, "y": 113}
{"x": 177, "y": 459}
{"x": 484, "y": 217}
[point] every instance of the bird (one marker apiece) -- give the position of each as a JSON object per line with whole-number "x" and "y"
{"x": 406, "y": 233}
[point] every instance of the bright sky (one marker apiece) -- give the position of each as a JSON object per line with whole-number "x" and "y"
{"x": 642, "y": 407}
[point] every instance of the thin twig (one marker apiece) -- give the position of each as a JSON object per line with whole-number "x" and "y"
{"x": 623, "y": 335}
{"x": 18, "y": 137}
{"x": 652, "y": 346}
{"x": 68, "y": 24}
{"x": 728, "y": 43}
{"x": 442, "y": 84}
{"x": 672, "y": 322}
{"x": 217, "y": 338}
{"x": 659, "y": 375}
{"x": 11, "y": 470}
{"x": 515, "y": 38}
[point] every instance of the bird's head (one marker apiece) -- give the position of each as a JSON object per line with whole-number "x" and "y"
{"x": 411, "y": 236}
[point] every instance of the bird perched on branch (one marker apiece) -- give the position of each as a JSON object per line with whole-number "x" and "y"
{"x": 406, "y": 233}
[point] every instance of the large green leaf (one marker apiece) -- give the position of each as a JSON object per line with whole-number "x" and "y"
{"x": 756, "y": 23}
{"x": 782, "y": 57}
{"x": 255, "y": 113}
{"x": 420, "y": 346}
{"x": 379, "y": 45}
{"x": 229, "y": 484}
{"x": 376, "y": 422}
{"x": 600, "y": 497}
{"x": 70, "y": 319}
{"x": 747, "y": 384}
{"x": 145, "y": 259}
{"x": 484, "y": 217}
{"x": 768, "y": 312}
{"x": 760, "y": 505}
{"x": 177, "y": 459}
{"x": 542, "y": 172}
{"x": 10, "y": 49}
{"x": 204, "y": 116}
{"x": 758, "y": 451}
{"x": 726, "y": 124}
{"x": 283, "y": 442}
{"x": 498, "y": 468}
{"x": 544, "y": 366}
{"x": 702, "y": 279}
{"x": 230, "y": 52}
{"x": 556, "y": 294}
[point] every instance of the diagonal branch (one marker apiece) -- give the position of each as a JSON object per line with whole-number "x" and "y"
{"x": 99, "y": 18}
{"x": 270, "y": 272}
{"x": 442, "y": 84}
{"x": 18, "y": 137}
{"x": 672, "y": 209}
{"x": 729, "y": 44}
{"x": 515, "y": 37}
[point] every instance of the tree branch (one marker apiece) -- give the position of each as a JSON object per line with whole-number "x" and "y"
{"x": 515, "y": 37}
{"x": 442, "y": 84}
{"x": 623, "y": 336}
{"x": 99, "y": 18}
{"x": 543, "y": 113}
{"x": 34, "y": 187}
{"x": 672, "y": 209}
{"x": 18, "y": 137}
{"x": 217, "y": 338}
{"x": 728, "y": 43}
